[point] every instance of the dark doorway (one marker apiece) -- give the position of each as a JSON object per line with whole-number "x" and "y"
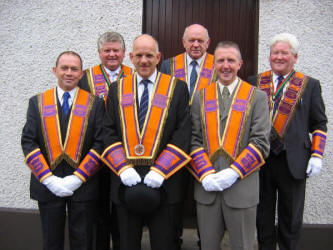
{"x": 235, "y": 20}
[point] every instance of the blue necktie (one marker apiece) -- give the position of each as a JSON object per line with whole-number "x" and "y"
{"x": 65, "y": 104}
{"x": 143, "y": 104}
{"x": 193, "y": 77}
{"x": 279, "y": 95}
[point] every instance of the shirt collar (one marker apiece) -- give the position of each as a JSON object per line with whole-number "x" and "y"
{"x": 61, "y": 92}
{"x": 152, "y": 78}
{"x": 231, "y": 87}
{"x": 275, "y": 77}
{"x": 112, "y": 72}
{"x": 189, "y": 59}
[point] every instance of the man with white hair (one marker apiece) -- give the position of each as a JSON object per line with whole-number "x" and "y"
{"x": 297, "y": 109}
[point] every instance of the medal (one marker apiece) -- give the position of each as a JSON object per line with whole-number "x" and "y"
{"x": 139, "y": 149}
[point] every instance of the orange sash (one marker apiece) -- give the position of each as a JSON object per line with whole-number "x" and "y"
{"x": 229, "y": 143}
{"x": 99, "y": 82}
{"x": 72, "y": 148}
{"x": 141, "y": 147}
{"x": 206, "y": 74}
{"x": 291, "y": 96}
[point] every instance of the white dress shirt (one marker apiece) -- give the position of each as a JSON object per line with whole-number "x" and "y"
{"x": 113, "y": 74}
{"x": 141, "y": 87}
{"x": 61, "y": 92}
{"x": 231, "y": 87}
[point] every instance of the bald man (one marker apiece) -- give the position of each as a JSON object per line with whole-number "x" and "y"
{"x": 147, "y": 132}
{"x": 195, "y": 66}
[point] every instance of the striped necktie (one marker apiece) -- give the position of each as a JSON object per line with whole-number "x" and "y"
{"x": 143, "y": 104}
{"x": 193, "y": 76}
{"x": 279, "y": 94}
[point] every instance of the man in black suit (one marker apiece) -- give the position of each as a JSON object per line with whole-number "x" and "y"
{"x": 96, "y": 80}
{"x": 62, "y": 142}
{"x": 147, "y": 131}
{"x": 297, "y": 109}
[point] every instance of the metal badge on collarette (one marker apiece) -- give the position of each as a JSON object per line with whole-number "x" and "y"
{"x": 139, "y": 149}
{"x": 101, "y": 95}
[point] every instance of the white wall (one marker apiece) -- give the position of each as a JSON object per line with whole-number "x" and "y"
{"x": 34, "y": 32}
{"x": 312, "y": 22}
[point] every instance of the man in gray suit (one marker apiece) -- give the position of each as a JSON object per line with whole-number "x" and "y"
{"x": 230, "y": 131}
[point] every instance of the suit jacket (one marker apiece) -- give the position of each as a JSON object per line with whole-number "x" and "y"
{"x": 177, "y": 131}
{"x": 32, "y": 138}
{"x": 243, "y": 193}
{"x": 165, "y": 66}
{"x": 309, "y": 116}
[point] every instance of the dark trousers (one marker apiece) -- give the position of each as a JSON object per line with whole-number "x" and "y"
{"x": 161, "y": 225}
{"x": 81, "y": 216}
{"x": 278, "y": 185}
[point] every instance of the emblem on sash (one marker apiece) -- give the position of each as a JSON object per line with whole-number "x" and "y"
{"x": 139, "y": 149}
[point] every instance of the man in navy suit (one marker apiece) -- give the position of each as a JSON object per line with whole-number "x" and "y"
{"x": 297, "y": 110}
{"x": 62, "y": 142}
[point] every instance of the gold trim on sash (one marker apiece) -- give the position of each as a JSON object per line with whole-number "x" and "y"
{"x": 206, "y": 76}
{"x": 98, "y": 85}
{"x": 141, "y": 147}
{"x": 72, "y": 148}
{"x": 229, "y": 144}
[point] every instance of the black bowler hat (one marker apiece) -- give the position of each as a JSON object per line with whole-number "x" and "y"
{"x": 140, "y": 199}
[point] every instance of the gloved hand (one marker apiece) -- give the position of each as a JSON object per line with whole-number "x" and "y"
{"x": 226, "y": 177}
{"x": 56, "y": 186}
{"x": 72, "y": 182}
{"x": 153, "y": 179}
{"x": 130, "y": 177}
{"x": 209, "y": 183}
{"x": 314, "y": 166}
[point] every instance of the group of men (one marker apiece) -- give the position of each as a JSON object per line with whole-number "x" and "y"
{"x": 140, "y": 132}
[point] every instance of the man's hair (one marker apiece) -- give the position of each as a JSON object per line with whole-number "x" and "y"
{"x": 110, "y": 37}
{"x": 157, "y": 47}
{"x": 185, "y": 31}
{"x": 286, "y": 38}
{"x": 229, "y": 44}
{"x": 69, "y": 52}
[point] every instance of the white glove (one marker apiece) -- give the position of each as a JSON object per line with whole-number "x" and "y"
{"x": 56, "y": 186}
{"x": 226, "y": 177}
{"x": 72, "y": 182}
{"x": 130, "y": 177}
{"x": 209, "y": 183}
{"x": 153, "y": 179}
{"x": 314, "y": 166}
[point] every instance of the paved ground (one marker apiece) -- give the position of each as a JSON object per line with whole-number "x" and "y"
{"x": 190, "y": 239}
